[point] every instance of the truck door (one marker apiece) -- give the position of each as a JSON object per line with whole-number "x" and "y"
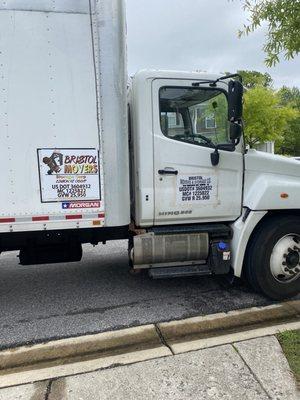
{"x": 188, "y": 122}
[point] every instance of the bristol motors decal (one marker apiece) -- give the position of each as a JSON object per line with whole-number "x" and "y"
{"x": 70, "y": 175}
{"x": 196, "y": 189}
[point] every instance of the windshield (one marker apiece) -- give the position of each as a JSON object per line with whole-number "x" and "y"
{"x": 194, "y": 115}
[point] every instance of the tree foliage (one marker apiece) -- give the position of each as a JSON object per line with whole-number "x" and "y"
{"x": 265, "y": 118}
{"x": 271, "y": 115}
{"x": 252, "y": 79}
{"x": 283, "y": 18}
{"x": 290, "y": 96}
{"x": 290, "y": 139}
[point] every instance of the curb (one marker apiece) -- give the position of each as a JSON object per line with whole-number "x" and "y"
{"x": 102, "y": 344}
{"x": 83, "y": 354}
{"x": 227, "y": 323}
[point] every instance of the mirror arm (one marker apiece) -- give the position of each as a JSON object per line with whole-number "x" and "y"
{"x": 215, "y": 156}
{"x": 237, "y": 142}
{"x": 214, "y": 83}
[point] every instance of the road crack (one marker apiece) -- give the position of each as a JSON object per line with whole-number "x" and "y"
{"x": 162, "y": 339}
{"x": 48, "y": 389}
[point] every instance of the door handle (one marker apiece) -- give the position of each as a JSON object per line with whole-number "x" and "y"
{"x": 168, "y": 171}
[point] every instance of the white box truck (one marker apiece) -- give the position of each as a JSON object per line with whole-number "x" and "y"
{"x": 87, "y": 157}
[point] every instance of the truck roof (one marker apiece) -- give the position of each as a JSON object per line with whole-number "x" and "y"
{"x": 170, "y": 74}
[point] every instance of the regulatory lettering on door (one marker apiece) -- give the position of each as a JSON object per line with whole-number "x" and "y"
{"x": 69, "y": 175}
{"x": 196, "y": 189}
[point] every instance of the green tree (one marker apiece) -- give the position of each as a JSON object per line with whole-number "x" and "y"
{"x": 290, "y": 141}
{"x": 265, "y": 119}
{"x": 283, "y": 18}
{"x": 252, "y": 79}
{"x": 290, "y": 96}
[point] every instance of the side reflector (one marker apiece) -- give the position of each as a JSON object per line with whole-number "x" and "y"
{"x": 7, "y": 220}
{"x": 73, "y": 216}
{"x": 36, "y": 219}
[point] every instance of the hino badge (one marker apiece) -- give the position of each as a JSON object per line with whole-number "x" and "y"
{"x": 161, "y": 162}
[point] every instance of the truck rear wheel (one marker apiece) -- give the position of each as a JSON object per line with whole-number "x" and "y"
{"x": 273, "y": 258}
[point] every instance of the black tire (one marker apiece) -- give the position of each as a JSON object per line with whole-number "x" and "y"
{"x": 257, "y": 261}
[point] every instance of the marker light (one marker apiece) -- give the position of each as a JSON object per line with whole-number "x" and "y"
{"x": 284, "y": 195}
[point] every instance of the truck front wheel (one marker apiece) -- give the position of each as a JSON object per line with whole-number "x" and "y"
{"x": 272, "y": 263}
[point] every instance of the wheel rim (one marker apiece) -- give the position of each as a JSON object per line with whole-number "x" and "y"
{"x": 285, "y": 259}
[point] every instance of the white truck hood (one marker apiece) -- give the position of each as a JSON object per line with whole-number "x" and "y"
{"x": 271, "y": 182}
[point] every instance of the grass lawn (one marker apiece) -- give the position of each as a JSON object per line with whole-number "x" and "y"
{"x": 290, "y": 343}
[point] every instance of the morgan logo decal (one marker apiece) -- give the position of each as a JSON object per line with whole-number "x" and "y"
{"x": 78, "y": 205}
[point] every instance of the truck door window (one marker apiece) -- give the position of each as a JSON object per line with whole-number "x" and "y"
{"x": 172, "y": 123}
{"x": 194, "y": 115}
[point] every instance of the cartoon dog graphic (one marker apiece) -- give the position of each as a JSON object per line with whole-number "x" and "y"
{"x": 54, "y": 162}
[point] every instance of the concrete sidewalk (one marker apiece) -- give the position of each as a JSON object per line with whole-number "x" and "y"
{"x": 253, "y": 369}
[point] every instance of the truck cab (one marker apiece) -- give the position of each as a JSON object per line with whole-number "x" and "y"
{"x": 199, "y": 194}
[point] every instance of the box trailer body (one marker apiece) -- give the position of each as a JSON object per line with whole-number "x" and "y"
{"x": 89, "y": 155}
{"x": 55, "y": 74}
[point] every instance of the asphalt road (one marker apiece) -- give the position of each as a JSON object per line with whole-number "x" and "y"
{"x": 39, "y": 303}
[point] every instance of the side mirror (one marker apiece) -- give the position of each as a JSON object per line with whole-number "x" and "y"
{"x": 236, "y": 131}
{"x": 235, "y": 101}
